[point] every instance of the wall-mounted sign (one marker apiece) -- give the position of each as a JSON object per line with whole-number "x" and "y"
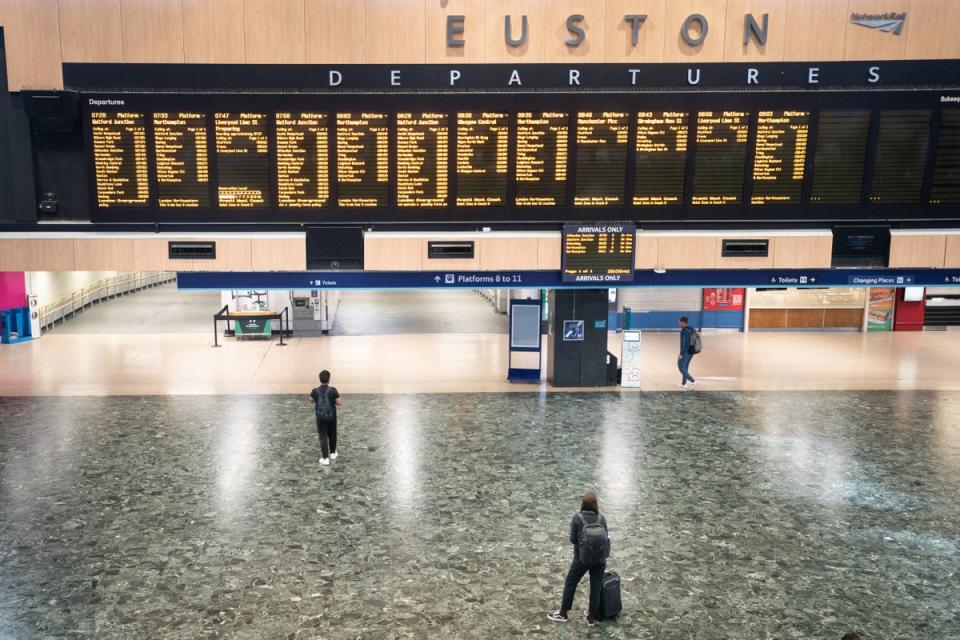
{"x": 890, "y": 22}
{"x": 598, "y": 253}
{"x": 573, "y": 330}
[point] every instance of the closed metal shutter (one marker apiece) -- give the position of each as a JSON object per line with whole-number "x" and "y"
{"x": 660, "y": 299}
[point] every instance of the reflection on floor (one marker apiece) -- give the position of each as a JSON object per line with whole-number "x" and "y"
{"x": 187, "y": 364}
{"x": 368, "y": 313}
{"x": 733, "y": 515}
{"x": 159, "y": 310}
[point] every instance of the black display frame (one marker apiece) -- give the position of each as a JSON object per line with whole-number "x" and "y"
{"x": 569, "y": 102}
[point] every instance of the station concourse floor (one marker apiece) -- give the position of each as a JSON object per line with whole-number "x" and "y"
{"x": 154, "y": 487}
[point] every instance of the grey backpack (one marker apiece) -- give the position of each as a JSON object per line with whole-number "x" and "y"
{"x": 594, "y": 543}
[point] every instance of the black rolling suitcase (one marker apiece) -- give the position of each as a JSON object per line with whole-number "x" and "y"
{"x": 610, "y": 605}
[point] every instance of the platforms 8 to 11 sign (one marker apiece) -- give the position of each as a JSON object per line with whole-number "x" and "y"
{"x": 598, "y": 253}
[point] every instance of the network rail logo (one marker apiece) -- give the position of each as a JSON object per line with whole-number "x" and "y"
{"x": 891, "y": 22}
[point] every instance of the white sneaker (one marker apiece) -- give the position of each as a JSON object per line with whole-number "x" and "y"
{"x": 682, "y": 385}
{"x": 333, "y": 456}
{"x": 325, "y": 462}
{"x": 693, "y": 385}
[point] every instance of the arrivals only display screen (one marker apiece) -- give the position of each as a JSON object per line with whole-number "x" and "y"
{"x": 788, "y": 156}
{"x": 598, "y": 253}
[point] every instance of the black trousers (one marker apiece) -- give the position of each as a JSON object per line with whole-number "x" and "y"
{"x": 573, "y": 579}
{"x": 328, "y": 437}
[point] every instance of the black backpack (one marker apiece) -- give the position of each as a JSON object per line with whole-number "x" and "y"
{"x": 324, "y": 406}
{"x": 594, "y": 543}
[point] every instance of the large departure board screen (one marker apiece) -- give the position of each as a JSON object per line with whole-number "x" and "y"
{"x": 423, "y": 141}
{"x": 303, "y": 165}
{"x": 542, "y": 155}
{"x": 181, "y": 152}
{"x": 902, "y": 145}
{"x": 838, "y": 163}
{"x": 525, "y": 158}
{"x": 780, "y": 156}
{"x": 721, "y": 159}
{"x": 602, "y": 140}
{"x": 483, "y": 155}
{"x": 598, "y": 253}
{"x": 119, "y": 143}
{"x": 946, "y": 171}
{"x": 363, "y": 159}
{"x": 243, "y": 159}
{"x": 660, "y": 157}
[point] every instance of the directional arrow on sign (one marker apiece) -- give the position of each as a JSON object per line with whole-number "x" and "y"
{"x": 813, "y": 279}
{"x": 436, "y": 278}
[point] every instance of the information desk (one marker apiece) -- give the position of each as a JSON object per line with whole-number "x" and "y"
{"x": 252, "y": 323}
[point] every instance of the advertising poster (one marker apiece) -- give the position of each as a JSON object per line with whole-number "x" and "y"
{"x": 880, "y": 309}
{"x": 723, "y": 299}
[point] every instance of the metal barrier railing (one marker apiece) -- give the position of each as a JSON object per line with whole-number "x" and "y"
{"x": 66, "y": 306}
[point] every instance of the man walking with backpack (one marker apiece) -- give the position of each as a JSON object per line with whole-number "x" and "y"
{"x": 326, "y": 399}
{"x": 689, "y": 347}
{"x": 591, "y": 547}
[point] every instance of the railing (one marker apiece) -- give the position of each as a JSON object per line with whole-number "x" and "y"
{"x": 76, "y": 301}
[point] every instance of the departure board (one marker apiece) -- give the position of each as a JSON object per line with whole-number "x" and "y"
{"x": 598, "y": 253}
{"x": 721, "y": 157}
{"x": 946, "y": 171}
{"x": 121, "y": 172}
{"x": 661, "y": 157}
{"x": 243, "y": 159}
{"x": 779, "y": 162}
{"x": 483, "y": 140}
{"x": 542, "y": 153}
{"x": 840, "y": 157}
{"x": 423, "y": 142}
{"x": 303, "y": 166}
{"x": 602, "y": 140}
{"x": 902, "y": 145}
{"x": 363, "y": 159}
{"x": 183, "y": 166}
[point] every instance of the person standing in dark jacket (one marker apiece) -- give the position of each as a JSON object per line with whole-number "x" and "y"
{"x": 686, "y": 354}
{"x": 589, "y": 514}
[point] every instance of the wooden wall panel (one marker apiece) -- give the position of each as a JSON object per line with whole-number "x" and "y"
{"x": 650, "y": 42}
{"x": 533, "y": 49}
{"x": 555, "y": 25}
{"x": 804, "y": 318}
{"x": 32, "y": 36}
{"x": 815, "y": 30}
{"x": 843, "y": 318}
{"x": 103, "y": 254}
{"x": 646, "y": 252}
{"x": 861, "y": 43}
{"x": 150, "y": 254}
{"x": 278, "y": 254}
{"x": 549, "y": 252}
{"x": 473, "y": 49}
{"x": 921, "y": 250}
{"x": 676, "y": 49}
{"x": 233, "y": 254}
{"x": 735, "y": 50}
{"x": 952, "y": 260}
{"x": 34, "y": 254}
{"x": 392, "y": 253}
{"x": 90, "y": 31}
{"x": 509, "y": 253}
{"x": 152, "y": 31}
{"x": 768, "y": 318}
{"x": 802, "y": 252}
{"x": 213, "y": 31}
{"x": 687, "y": 252}
{"x": 335, "y": 31}
{"x": 395, "y": 31}
{"x": 933, "y": 29}
{"x": 273, "y": 31}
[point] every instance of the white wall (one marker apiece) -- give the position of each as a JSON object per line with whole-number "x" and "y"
{"x": 50, "y": 285}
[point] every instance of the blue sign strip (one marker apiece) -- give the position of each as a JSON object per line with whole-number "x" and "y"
{"x": 306, "y": 280}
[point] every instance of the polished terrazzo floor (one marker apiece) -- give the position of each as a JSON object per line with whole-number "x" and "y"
{"x": 739, "y": 515}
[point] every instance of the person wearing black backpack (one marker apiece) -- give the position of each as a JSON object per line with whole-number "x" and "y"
{"x": 591, "y": 547}
{"x": 689, "y": 347}
{"x": 325, "y": 400}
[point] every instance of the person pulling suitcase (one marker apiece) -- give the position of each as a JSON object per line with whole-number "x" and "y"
{"x": 591, "y": 548}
